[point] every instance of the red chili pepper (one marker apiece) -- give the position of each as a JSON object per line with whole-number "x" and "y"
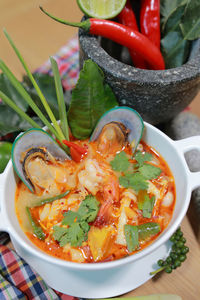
{"x": 127, "y": 18}
{"x": 122, "y": 35}
{"x": 77, "y": 152}
{"x": 150, "y": 20}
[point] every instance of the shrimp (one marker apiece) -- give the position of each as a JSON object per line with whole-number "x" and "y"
{"x": 110, "y": 195}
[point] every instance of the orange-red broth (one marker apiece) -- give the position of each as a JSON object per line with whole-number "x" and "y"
{"x": 110, "y": 241}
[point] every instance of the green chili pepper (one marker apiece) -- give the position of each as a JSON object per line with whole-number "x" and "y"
{"x": 147, "y": 230}
{"x": 5, "y": 154}
{"x": 49, "y": 200}
{"x": 36, "y": 228}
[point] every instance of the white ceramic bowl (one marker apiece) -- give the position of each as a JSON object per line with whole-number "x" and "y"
{"x": 109, "y": 279}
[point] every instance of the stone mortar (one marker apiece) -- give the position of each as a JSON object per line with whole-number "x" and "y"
{"x": 157, "y": 95}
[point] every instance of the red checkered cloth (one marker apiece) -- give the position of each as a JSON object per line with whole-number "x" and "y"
{"x": 17, "y": 279}
{"x": 68, "y": 64}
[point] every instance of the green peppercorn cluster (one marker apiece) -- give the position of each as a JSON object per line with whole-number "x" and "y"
{"x": 177, "y": 255}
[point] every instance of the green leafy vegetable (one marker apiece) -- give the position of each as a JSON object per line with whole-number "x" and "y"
{"x": 147, "y": 230}
{"x": 180, "y": 25}
{"x": 190, "y": 24}
{"x": 77, "y": 232}
{"x": 49, "y": 200}
{"x": 91, "y": 98}
{"x": 69, "y": 217}
{"x": 141, "y": 158}
{"x": 132, "y": 237}
{"x": 135, "y": 181}
{"x": 36, "y": 228}
{"x": 149, "y": 171}
{"x": 40, "y": 94}
{"x": 120, "y": 162}
{"x": 175, "y": 49}
{"x": 88, "y": 209}
{"x": 147, "y": 206}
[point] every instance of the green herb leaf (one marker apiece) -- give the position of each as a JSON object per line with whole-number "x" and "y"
{"x": 76, "y": 235}
{"x": 148, "y": 230}
{"x": 190, "y": 23}
{"x": 148, "y": 205}
{"x": 173, "y": 21}
{"x": 59, "y": 232}
{"x": 135, "y": 181}
{"x": 141, "y": 158}
{"x": 91, "y": 98}
{"x": 120, "y": 162}
{"x": 69, "y": 217}
{"x": 37, "y": 230}
{"x": 132, "y": 237}
{"x": 88, "y": 209}
{"x": 168, "y": 6}
{"x": 149, "y": 171}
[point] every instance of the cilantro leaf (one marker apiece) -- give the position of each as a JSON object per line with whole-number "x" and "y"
{"x": 132, "y": 237}
{"x": 88, "y": 209}
{"x": 149, "y": 171}
{"x": 120, "y": 162}
{"x": 58, "y": 232}
{"x": 69, "y": 217}
{"x": 135, "y": 181}
{"x": 141, "y": 158}
{"x": 75, "y": 235}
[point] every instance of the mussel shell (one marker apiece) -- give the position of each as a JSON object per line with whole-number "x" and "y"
{"x": 128, "y": 117}
{"x": 34, "y": 138}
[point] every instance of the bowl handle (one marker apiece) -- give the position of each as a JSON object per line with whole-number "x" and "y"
{"x": 183, "y": 146}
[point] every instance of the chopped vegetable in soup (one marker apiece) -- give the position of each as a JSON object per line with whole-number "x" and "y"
{"x": 107, "y": 206}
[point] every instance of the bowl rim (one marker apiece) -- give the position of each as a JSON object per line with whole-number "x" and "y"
{"x": 187, "y": 72}
{"x": 104, "y": 265}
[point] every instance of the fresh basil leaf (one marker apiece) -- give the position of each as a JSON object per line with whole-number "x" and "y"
{"x": 149, "y": 171}
{"x": 135, "y": 181}
{"x": 90, "y": 99}
{"x": 120, "y": 162}
{"x": 175, "y": 49}
{"x": 190, "y": 23}
{"x": 132, "y": 237}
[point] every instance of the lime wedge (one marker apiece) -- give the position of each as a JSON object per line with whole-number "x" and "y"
{"x": 101, "y": 9}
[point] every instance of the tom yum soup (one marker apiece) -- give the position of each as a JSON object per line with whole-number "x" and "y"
{"x": 112, "y": 201}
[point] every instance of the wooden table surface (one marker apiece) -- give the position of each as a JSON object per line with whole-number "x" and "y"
{"x": 38, "y": 37}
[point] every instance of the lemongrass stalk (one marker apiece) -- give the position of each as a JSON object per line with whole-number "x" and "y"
{"x": 27, "y": 97}
{"x": 37, "y": 88}
{"x": 60, "y": 99}
{"x": 18, "y": 110}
